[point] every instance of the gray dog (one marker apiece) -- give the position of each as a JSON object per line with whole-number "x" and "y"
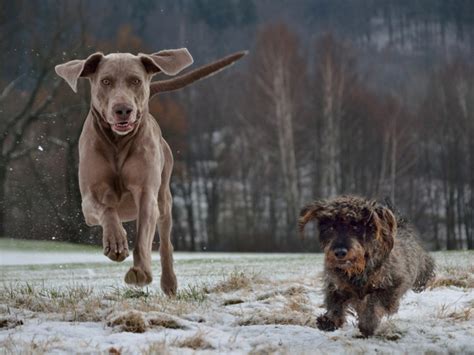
{"x": 124, "y": 163}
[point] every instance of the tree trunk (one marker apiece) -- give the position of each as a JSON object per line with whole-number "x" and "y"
{"x": 3, "y": 204}
{"x": 284, "y": 120}
{"x": 332, "y": 92}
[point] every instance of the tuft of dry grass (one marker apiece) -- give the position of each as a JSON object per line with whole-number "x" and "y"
{"x": 158, "y": 319}
{"x": 295, "y": 308}
{"x": 283, "y": 317}
{"x": 232, "y": 301}
{"x": 10, "y": 322}
{"x": 138, "y": 322}
{"x": 237, "y": 280}
{"x": 461, "y": 315}
{"x": 290, "y": 291}
{"x": 452, "y": 281}
{"x": 457, "y": 276}
{"x": 158, "y": 347}
{"x": 299, "y": 303}
{"x": 195, "y": 342}
{"x": 115, "y": 351}
{"x": 269, "y": 350}
{"x": 37, "y": 347}
{"x": 458, "y": 314}
{"x": 131, "y": 322}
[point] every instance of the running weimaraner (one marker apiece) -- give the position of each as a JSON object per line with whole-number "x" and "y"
{"x": 124, "y": 163}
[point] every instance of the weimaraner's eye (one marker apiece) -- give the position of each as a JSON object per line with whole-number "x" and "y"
{"x": 136, "y": 82}
{"x": 106, "y": 82}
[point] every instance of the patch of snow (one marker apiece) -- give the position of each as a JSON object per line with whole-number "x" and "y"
{"x": 423, "y": 323}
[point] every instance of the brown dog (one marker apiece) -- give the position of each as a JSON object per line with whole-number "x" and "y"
{"x": 124, "y": 163}
{"x": 371, "y": 260}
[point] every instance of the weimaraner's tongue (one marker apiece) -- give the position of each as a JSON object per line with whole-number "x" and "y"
{"x": 194, "y": 75}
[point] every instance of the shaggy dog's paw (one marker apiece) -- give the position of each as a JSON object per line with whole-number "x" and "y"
{"x": 137, "y": 276}
{"x": 115, "y": 244}
{"x": 325, "y": 323}
{"x": 169, "y": 284}
{"x": 366, "y": 331}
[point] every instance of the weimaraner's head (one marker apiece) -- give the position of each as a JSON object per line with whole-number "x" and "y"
{"x": 120, "y": 82}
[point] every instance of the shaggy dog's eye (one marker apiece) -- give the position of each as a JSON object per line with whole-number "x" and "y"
{"x": 136, "y": 82}
{"x": 327, "y": 228}
{"x": 106, "y": 82}
{"x": 356, "y": 227}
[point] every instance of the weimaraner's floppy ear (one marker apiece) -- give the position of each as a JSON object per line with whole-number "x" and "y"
{"x": 74, "y": 69}
{"x": 169, "y": 61}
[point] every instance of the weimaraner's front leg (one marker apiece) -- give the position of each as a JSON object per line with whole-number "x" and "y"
{"x": 104, "y": 213}
{"x": 146, "y": 200}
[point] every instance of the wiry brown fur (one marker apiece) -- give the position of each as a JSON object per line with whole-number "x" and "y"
{"x": 371, "y": 260}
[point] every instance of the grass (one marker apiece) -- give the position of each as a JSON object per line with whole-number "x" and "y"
{"x": 36, "y": 347}
{"x": 130, "y": 321}
{"x": 158, "y": 347}
{"x": 138, "y": 322}
{"x": 456, "y": 276}
{"x": 236, "y": 280}
{"x": 452, "y": 281}
{"x": 164, "y": 320}
{"x": 284, "y": 316}
{"x": 195, "y": 342}
{"x": 462, "y": 314}
{"x": 9, "y": 322}
{"x": 294, "y": 309}
{"x": 82, "y": 303}
{"x": 44, "y": 246}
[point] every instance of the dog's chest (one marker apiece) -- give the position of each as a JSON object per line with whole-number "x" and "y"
{"x": 361, "y": 285}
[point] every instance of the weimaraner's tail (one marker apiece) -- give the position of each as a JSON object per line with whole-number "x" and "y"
{"x": 181, "y": 81}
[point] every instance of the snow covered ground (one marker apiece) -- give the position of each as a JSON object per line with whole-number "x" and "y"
{"x": 75, "y": 301}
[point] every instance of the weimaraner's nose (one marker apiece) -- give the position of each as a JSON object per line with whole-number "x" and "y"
{"x": 122, "y": 111}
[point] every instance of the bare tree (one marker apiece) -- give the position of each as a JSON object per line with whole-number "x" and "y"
{"x": 279, "y": 75}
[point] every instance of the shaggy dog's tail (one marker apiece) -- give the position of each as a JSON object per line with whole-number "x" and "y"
{"x": 426, "y": 273}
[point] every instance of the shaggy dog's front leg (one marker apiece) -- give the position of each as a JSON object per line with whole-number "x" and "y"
{"x": 370, "y": 313}
{"x": 336, "y": 304}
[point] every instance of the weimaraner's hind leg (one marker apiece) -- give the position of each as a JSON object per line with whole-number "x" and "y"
{"x": 169, "y": 283}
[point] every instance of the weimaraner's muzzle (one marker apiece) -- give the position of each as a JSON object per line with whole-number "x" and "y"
{"x": 124, "y": 163}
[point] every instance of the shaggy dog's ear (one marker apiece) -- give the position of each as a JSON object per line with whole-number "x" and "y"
{"x": 309, "y": 213}
{"x": 385, "y": 227}
{"x": 74, "y": 69}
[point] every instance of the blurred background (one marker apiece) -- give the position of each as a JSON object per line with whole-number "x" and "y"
{"x": 368, "y": 97}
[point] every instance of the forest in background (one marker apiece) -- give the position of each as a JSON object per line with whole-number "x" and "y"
{"x": 368, "y": 97}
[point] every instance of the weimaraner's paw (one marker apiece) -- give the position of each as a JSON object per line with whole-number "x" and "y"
{"x": 169, "y": 284}
{"x": 137, "y": 276}
{"x": 116, "y": 245}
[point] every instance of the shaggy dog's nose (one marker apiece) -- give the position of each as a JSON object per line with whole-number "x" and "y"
{"x": 340, "y": 252}
{"x": 122, "y": 111}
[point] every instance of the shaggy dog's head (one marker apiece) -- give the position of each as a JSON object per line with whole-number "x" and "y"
{"x": 355, "y": 233}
